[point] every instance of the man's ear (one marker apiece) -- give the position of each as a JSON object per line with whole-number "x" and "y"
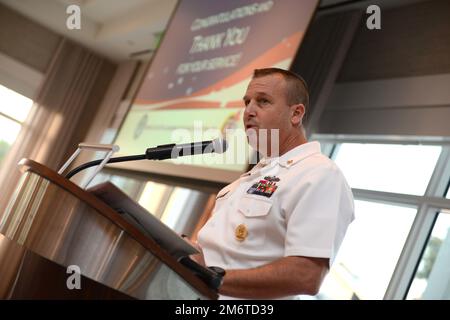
{"x": 297, "y": 113}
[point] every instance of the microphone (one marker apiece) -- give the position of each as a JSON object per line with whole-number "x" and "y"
{"x": 172, "y": 151}
{"x": 162, "y": 152}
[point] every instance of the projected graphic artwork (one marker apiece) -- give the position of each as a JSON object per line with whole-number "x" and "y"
{"x": 193, "y": 89}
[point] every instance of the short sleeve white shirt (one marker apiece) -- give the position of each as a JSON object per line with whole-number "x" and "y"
{"x": 298, "y": 204}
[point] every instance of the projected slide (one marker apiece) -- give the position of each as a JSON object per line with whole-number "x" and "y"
{"x": 194, "y": 87}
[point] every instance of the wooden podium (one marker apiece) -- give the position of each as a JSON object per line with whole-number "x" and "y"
{"x": 51, "y": 224}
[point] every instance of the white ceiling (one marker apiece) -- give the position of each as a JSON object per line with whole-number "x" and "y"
{"x": 117, "y": 29}
{"x": 114, "y": 28}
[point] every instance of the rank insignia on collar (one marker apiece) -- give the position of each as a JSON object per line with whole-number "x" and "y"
{"x": 265, "y": 187}
{"x": 272, "y": 178}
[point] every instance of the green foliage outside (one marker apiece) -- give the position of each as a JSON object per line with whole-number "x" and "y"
{"x": 4, "y": 147}
{"x": 429, "y": 258}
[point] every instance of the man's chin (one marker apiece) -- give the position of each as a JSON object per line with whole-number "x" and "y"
{"x": 252, "y": 138}
{"x": 249, "y": 131}
{"x": 256, "y": 146}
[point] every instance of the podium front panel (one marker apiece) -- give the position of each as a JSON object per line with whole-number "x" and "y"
{"x": 55, "y": 224}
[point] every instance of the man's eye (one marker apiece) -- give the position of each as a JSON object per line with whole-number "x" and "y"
{"x": 263, "y": 101}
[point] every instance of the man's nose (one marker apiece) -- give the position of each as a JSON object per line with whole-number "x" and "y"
{"x": 250, "y": 110}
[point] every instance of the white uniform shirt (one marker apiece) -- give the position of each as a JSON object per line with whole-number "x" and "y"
{"x": 298, "y": 204}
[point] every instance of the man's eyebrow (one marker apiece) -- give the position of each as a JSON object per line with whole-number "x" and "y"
{"x": 261, "y": 93}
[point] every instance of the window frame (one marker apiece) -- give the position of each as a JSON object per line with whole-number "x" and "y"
{"x": 10, "y": 118}
{"x": 428, "y": 205}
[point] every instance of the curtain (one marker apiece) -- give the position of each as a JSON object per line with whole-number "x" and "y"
{"x": 75, "y": 81}
{"x": 111, "y": 113}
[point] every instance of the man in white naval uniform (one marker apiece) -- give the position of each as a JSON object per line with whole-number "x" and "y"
{"x": 276, "y": 229}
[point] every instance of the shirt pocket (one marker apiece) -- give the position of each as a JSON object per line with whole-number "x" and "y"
{"x": 254, "y": 218}
{"x": 252, "y": 206}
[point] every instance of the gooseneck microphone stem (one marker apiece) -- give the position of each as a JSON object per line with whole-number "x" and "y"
{"x": 162, "y": 152}
{"x": 97, "y": 162}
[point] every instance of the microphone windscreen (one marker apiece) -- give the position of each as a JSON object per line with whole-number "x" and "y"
{"x": 220, "y": 145}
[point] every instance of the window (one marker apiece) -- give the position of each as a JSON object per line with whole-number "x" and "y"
{"x": 14, "y": 109}
{"x": 369, "y": 252}
{"x": 388, "y": 167}
{"x": 432, "y": 278}
{"x": 394, "y": 186}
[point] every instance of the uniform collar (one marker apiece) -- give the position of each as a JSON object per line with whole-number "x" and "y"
{"x": 290, "y": 158}
{"x": 299, "y": 153}
{"x": 263, "y": 163}
{"x": 294, "y": 155}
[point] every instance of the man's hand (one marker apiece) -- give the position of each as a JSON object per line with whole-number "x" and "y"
{"x": 284, "y": 277}
{"x": 198, "y": 257}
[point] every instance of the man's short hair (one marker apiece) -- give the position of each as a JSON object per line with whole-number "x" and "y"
{"x": 296, "y": 87}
